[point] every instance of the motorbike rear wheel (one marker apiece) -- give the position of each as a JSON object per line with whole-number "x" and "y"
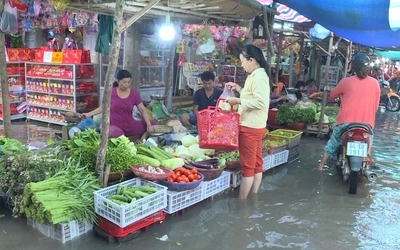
{"x": 393, "y": 104}
{"x": 353, "y": 182}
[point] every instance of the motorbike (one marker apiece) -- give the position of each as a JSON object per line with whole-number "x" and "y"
{"x": 388, "y": 98}
{"x": 353, "y": 159}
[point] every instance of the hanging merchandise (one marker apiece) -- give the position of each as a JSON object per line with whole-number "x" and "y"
{"x": 205, "y": 41}
{"x": 105, "y": 34}
{"x": 81, "y": 18}
{"x": 9, "y": 22}
{"x": 59, "y": 5}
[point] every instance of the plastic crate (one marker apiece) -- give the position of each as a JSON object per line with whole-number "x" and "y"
{"x": 279, "y": 158}
{"x": 276, "y": 149}
{"x": 62, "y": 232}
{"x": 177, "y": 201}
{"x": 216, "y": 186}
{"x": 293, "y": 154}
{"x": 293, "y": 139}
{"x": 120, "y": 232}
{"x": 267, "y": 162}
{"x": 124, "y": 215}
{"x": 236, "y": 178}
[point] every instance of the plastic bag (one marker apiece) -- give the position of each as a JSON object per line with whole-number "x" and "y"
{"x": 224, "y": 106}
{"x": 9, "y": 22}
{"x": 205, "y": 40}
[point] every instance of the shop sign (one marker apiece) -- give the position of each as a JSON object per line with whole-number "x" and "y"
{"x": 333, "y": 75}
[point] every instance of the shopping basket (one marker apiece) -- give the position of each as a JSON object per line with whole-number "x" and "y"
{"x": 217, "y": 129}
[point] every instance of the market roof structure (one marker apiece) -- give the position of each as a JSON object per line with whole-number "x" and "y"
{"x": 228, "y": 10}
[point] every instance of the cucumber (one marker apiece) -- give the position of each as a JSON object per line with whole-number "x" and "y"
{"x": 147, "y": 189}
{"x": 119, "y": 189}
{"x": 143, "y": 194}
{"x": 119, "y": 202}
{"x": 119, "y": 197}
{"x": 148, "y": 160}
{"x": 133, "y": 194}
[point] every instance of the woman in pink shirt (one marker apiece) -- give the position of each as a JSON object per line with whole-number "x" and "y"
{"x": 123, "y": 100}
{"x": 359, "y": 95}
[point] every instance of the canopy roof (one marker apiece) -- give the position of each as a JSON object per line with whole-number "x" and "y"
{"x": 231, "y": 10}
{"x": 367, "y": 22}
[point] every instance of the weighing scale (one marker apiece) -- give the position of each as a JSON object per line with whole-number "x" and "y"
{"x": 158, "y": 108}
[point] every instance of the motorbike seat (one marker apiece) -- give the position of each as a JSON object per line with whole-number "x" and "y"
{"x": 360, "y": 125}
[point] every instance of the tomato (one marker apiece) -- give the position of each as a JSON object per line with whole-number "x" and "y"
{"x": 185, "y": 178}
{"x": 197, "y": 176}
{"x": 194, "y": 171}
{"x": 170, "y": 179}
{"x": 178, "y": 179}
{"x": 186, "y": 172}
{"x": 191, "y": 177}
{"x": 178, "y": 174}
{"x": 173, "y": 176}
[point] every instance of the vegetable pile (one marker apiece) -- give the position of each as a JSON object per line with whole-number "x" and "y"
{"x": 66, "y": 196}
{"x": 125, "y": 195}
{"x": 212, "y": 163}
{"x": 184, "y": 175}
{"x": 21, "y": 166}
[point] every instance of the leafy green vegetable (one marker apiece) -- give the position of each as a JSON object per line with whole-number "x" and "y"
{"x": 288, "y": 114}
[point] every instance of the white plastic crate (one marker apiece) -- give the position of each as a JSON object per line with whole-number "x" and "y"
{"x": 267, "y": 162}
{"x": 236, "y": 178}
{"x": 177, "y": 201}
{"x": 279, "y": 158}
{"x": 215, "y": 186}
{"x": 123, "y": 215}
{"x": 62, "y": 232}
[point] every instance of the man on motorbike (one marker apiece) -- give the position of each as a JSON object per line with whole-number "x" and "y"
{"x": 359, "y": 95}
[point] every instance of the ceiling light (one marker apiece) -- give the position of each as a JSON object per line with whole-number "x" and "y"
{"x": 167, "y": 30}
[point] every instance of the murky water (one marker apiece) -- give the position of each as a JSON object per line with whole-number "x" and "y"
{"x": 297, "y": 208}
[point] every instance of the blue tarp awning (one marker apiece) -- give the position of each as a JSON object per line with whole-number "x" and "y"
{"x": 372, "y": 23}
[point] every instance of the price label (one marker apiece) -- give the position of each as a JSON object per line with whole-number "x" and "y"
{"x": 57, "y": 57}
{"x": 47, "y": 56}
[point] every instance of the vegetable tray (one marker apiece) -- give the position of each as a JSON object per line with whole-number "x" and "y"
{"x": 124, "y": 215}
{"x": 62, "y": 232}
{"x": 174, "y": 186}
{"x": 232, "y": 165}
{"x": 117, "y": 231}
{"x": 292, "y": 136}
{"x": 150, "y": 176}
{"x": 209, "y": 174}
{"x": 217, "y": 185}
{"x": 276, "y": 149}
{"x": 176, "y": 201}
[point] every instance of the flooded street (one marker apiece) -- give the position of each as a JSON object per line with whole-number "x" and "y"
{"x": 297, "y": 207}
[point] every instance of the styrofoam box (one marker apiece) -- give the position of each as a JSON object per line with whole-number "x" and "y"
{"x": 279, "y": 158}
{"x": 236, "y": 178}
{"x": 123, "y": 215}
{"x": 267, "y": 162}
{"x": 62, "y": 232}
{"x": 217, "y": 185}
{"x": 177, "y": 201}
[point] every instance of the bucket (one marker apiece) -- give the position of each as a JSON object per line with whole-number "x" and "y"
{"x": 271, "y": 117}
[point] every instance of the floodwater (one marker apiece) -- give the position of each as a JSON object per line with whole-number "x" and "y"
{"x": 297, "y": 207}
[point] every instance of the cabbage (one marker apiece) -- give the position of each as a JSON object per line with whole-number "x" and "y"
{"x": 188, "y": 140}
{"x": 195, "y": 150}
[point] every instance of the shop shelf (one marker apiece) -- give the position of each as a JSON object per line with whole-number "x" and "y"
{"x": 177, "y": 201}
{"x": 279, "y": 158}
{"x": 62, "y": 232}
{"x": 117, "y": 231}
{"x": 216, "y": 186}
{"x": 123, "y": 215}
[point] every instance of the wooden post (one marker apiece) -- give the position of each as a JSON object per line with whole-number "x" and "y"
{"x": 4, "y": 84}
{"x": 170, "y": 74}
{"x": 323, "y": 104}
{"x": 105, "y": 123}
{"x": 278, "y": 57}
{"x": 347, "y": 66}
{"x": 269, "y": 31}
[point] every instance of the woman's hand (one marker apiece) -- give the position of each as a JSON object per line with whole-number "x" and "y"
{"x": 233, "y": 100}
{"x": 150, "y": 129}
{"x": 233, "y": 86}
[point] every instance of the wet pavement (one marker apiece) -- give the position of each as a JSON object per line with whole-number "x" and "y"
{"x": 297, "y": 207}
